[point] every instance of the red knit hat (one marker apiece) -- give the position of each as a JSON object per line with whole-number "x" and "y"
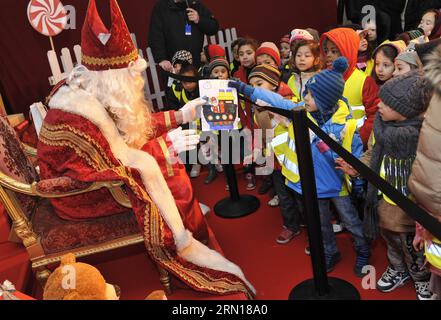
{"x": 101, "y": 52}
{"x": 215, "y": 51}
{"x": 270, "y": 49}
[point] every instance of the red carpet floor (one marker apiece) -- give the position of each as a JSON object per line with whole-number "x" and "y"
{"x": 273, "y": 269}
{"x": 14, "y": 260}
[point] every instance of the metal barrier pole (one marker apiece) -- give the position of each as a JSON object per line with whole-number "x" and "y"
{"x": 320, "y": 287}
{"x": 237, "y": 205}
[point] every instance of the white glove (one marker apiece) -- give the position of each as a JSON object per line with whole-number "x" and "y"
{"x": 183, "y": 140}
{"x": 192, "y": 110}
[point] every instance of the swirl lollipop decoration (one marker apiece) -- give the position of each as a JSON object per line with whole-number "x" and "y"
{"x": 48, "y": 17}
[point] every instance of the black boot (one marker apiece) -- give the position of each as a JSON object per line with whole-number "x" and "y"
{"x": 266, "y": 185}
{"x": 212, "y": 174}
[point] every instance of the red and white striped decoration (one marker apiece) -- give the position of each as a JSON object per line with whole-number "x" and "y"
{"x": 47, "y": 16}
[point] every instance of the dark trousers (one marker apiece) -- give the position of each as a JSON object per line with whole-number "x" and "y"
{"x": 403, "y": 257}
{"x": 288, "y": 203}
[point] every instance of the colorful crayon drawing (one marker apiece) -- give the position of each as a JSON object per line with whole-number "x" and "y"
{"x": 221, "y": 112}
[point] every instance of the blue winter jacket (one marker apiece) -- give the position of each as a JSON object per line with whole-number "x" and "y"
{"x": 329, "y": 181}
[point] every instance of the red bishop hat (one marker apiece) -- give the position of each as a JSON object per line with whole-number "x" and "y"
{"x": 117, "y": 51}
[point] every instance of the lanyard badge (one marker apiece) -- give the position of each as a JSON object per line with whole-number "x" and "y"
{"x": 187, "y": 25}
{"x": 188, "y": 29}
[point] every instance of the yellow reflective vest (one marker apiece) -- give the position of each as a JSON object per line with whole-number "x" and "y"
{"x": 353, "y": 92}
{"x": 285, "y": 150}
{"x": 370, "y": 64}
{"x": 433, "y": 252}
{"x": 182, "y": 96}
{"x": 292, "y": 85}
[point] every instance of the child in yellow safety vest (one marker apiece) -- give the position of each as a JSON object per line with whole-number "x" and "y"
{"x": 396, "y": 131}
{"x": 360, "y": 90}
{"x": 326, "y": 106}
{"x": 218, "y": 68}
{"x": 182, "y": 93}
{"x": 268, "y": 78}
{"x": 304, "y": 64}
{"x": 295, "y": 37}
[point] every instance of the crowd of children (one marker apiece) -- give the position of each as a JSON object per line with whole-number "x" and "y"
{"x": 370, "y": 97}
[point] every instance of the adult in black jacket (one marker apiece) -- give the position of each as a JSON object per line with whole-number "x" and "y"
{"x": 179, "y": 25}
{"x": 390, "y": 12}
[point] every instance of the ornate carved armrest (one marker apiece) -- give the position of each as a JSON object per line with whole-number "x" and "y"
{"x": 64, "y": 187}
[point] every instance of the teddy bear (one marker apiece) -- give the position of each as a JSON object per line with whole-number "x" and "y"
{"x": 78, "y": 281}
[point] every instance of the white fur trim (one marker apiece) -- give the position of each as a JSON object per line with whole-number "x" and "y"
{"x": 82, "y": 103}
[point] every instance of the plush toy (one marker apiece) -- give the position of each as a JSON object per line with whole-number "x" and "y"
{"x": 157, "y": 295}
{"x": 78, "y": 281}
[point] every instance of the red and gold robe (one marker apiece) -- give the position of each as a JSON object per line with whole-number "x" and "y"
{"x": 80, "y": 140}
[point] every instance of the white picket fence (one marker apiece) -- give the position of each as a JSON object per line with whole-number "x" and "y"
{"x": 153, "y": 90}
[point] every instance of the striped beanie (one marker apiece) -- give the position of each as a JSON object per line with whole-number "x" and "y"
{"x": 218, "y": 62}
{"x": 267, "y": 73}
{"x": 327, "y": 87}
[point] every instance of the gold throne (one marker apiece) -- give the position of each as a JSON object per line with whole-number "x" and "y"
{"x": 45, "y": 236}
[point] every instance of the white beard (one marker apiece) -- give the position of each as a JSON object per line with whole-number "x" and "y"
{"x": 121, "y": 92}
{"x": 132, "y": 123}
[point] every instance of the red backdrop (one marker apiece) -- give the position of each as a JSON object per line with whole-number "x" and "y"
{"x": 24, "y": 69}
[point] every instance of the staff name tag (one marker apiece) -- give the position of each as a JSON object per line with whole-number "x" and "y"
{"x": 188, "y": 29}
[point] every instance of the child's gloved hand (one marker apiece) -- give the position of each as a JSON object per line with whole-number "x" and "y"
{"x": 183, "y": 140}
{"x": 358, "y": 193}
{"x": 192, "y": 110}
{"x": 241, "y": 88}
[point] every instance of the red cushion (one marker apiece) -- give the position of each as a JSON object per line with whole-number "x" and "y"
{"x": 58, "y": 235}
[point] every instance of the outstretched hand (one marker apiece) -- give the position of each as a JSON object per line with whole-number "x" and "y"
{"x": 346, "y": 167}
{"x": 241, "y": 87}
{"x": 192, "y": 110}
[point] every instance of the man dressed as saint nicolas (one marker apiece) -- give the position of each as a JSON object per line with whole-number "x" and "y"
{"x": 99, "y": 128}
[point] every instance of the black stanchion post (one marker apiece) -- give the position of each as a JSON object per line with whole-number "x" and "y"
{"x": 232, "y": 181}
{"x": 320, "y": 287}
{"x": 235, "y": 206}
